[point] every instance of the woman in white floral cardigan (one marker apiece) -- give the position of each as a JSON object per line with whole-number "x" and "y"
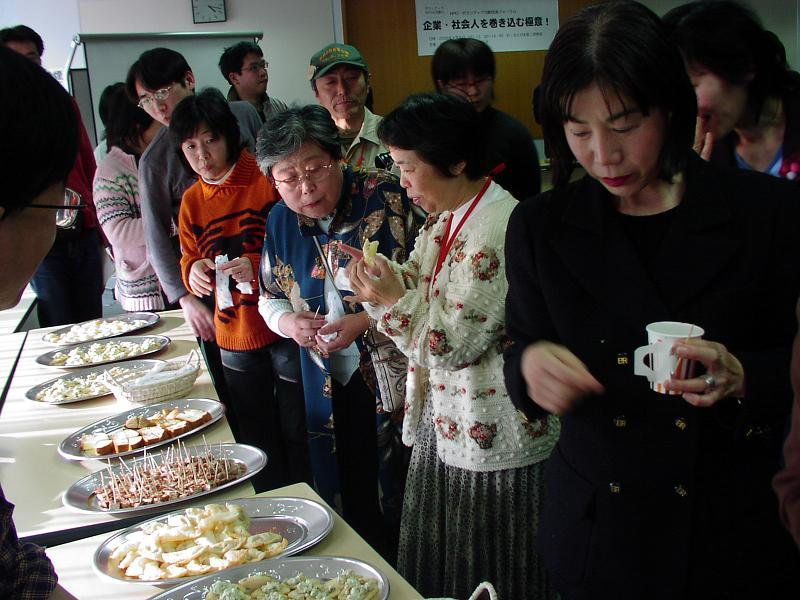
{"x": 471, "y": 506}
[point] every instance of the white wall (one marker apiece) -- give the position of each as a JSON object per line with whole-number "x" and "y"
{"x": 293, "y": 31}
{"x": 55, "y": 20}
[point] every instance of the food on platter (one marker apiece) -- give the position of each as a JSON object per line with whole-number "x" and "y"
{"x": 178, "y": 474}
{"x": 100, "y": 352}
{"x": 143, "y": 430}
{"x": 194, "y": 542}
{"x": 260, "y": 586}
{"x": 93, "y": 330}
{"x": 71, "y": 388}
{"x": 369, "y": 250}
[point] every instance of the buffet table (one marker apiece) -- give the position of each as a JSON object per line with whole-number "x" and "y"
{"x": 73, "y": 561}
{"x": 34, "y": 476}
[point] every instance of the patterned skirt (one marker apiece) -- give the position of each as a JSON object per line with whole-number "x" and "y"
{"x": 462, "y": 527}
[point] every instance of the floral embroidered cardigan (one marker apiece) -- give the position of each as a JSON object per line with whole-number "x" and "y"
{"x": 453, "y": 335}
{"x": 372, "y": 205}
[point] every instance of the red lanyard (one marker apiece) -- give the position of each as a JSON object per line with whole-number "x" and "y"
{"x": 447, "y": 239}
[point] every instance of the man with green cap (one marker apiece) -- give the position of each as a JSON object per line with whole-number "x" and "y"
{"x": 340, "y": 79}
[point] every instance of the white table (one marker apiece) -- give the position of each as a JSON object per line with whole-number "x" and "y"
{"x": 73, "y": 561}
{"x": 34, "y": 476}
{"x": 12, "y": 318}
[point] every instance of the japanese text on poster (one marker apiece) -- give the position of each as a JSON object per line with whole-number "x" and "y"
{"x": 505, "y": 25}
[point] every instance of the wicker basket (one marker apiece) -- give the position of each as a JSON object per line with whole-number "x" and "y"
{"x": 159, "y": 391}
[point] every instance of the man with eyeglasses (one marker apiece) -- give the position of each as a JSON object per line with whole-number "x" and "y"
{"x": 69, "y": 282}
{"x": 341, "y": 82}
{"x": 40, "y": 143}
{"x": 157, "y": 82}
{"x": 244, "y": 67}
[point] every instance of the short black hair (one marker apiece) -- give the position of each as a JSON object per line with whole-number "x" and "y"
{"x": 622, "y": 47}
{"x": 155, "y": 69}
{"x": 443, "y": 130}
{"x": 728, "y": 39}
{"x": 39, "y": 129}
{"x": 232, "y": 58}
{"x": 211, "y": 108}
{"x": 283, "y": 134}
{"x": 453, "y": 59}
{"x": 123, "y": 120}
{"x": 22, "y": 33}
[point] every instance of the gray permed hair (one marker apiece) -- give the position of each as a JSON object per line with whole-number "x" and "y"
{"x": 283, "y": 134}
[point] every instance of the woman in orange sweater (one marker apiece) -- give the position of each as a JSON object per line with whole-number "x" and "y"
{"x": 221, "y": 225}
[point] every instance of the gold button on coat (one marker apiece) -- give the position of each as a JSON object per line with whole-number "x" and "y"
{"x": 681, "y": 423}
{"x": 615, "y": 487}
{"x": 681, "y": 490}
{"x": 620, "y": 421}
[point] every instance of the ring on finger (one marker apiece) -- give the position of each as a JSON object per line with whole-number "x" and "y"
{"x": 710, "y": 382}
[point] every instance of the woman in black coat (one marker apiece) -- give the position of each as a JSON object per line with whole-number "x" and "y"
{"x": 651, "y": 495}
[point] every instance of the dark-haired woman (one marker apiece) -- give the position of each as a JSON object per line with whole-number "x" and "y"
{"x": 224, "y": 214}
{"x": 465, "y": 67}
{"x": 471, "y": 506}
{"x": 651, "y": 495}
{"x": 116, "y": 197}
{"x": 748, "y": 98}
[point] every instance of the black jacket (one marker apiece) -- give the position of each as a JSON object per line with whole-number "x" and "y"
{"x": 647, "y": 496}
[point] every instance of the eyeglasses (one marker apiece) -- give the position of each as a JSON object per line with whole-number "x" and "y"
{"x": 67, "y": 215}
{"x": 157, "y": 96}
{"x": 462, "y": 85}
{"x": 256, "y": 66}
{"x": 311, "y": 175}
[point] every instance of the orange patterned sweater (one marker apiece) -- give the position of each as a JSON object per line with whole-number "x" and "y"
{"x": 230, "y": 218}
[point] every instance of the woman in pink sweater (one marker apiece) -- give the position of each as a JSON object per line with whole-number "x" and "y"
{"x": 116, "y": 195}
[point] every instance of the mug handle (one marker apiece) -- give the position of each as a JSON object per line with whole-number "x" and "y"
{"x": 639, "y": 366}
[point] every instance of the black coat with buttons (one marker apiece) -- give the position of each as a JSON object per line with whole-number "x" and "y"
{"x": 647, "y": 496}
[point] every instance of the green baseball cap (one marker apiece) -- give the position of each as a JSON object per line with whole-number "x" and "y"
{"x": 332, "y": 55}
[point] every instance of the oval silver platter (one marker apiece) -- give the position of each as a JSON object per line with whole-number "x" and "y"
{"x": 321, "y": 567}
{"x": 150, "y": 319}
{"x": 80, "y": 495}
{"x": 144, "y": 365}
{"x": 46, "y": 359}
{"x": 70, "y": 448}
{"x": 302, "y": 522}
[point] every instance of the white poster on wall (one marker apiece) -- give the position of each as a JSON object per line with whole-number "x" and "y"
{"x": 505, "y": 25}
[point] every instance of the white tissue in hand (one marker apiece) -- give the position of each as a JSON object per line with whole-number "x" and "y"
{"x": 224, "y": 298}
{"x": 335, "y": 312}
{"x": 244, "y": 287}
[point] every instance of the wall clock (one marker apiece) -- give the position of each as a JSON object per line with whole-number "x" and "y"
{"x": 208, "y": 11}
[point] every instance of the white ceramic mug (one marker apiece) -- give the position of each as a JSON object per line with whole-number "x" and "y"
{"x": 663, "y": 363}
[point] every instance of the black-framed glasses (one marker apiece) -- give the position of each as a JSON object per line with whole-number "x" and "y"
{"x": 67, "y": 213}
{"x": 312, "y": 175}
{"x": 256, "y": 66}
{"x": 157, "y": 96}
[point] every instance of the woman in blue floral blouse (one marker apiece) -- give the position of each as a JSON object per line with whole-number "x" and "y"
{"x": 325, "y": 204}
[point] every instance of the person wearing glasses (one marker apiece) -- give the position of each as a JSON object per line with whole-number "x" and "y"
{"x": 69, "y": 282}
{"x": 340, "y": 80}
{"x": 37, "y": 120}
{"x": 157, "y": 82}
{"x": 465, "y": 67}
{"x": 224, "y": 214}
{"x": 244, "y": 67}
{"x": 326, "y": 204}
